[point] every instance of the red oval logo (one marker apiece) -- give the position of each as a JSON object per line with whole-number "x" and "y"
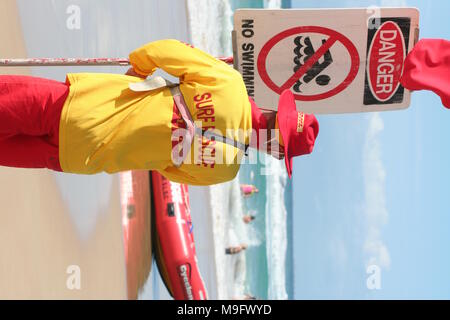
{"x": 386, "y": 56}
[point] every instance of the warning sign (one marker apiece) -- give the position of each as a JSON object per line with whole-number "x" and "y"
{"x": 310, "y": 64}
{"x": 386, "y": 50}
{"x": 334, "y": 61}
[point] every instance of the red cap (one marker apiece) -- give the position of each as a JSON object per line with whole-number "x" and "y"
{"x": 298, "y": 130}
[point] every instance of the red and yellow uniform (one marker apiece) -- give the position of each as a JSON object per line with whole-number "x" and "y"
{"x": 109, "y": 123}
{"x": 107, "y": 127}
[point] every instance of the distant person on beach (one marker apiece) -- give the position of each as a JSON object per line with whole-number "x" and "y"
{"x": 195, "y": 132}
{"x": 248, "y": 218}
{"x": 248, "y": 190}
{"x": 237, "y": 249}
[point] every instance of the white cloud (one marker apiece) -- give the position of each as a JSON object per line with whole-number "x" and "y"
{"x": 374, "y": 208}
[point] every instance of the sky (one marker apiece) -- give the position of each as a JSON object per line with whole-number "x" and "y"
{"x": 375, "y": 192}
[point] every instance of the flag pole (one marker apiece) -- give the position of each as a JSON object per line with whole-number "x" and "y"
{"x": 51, "y": 62}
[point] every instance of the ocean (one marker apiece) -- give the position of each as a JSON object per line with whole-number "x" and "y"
{"x": 265, "y": 269}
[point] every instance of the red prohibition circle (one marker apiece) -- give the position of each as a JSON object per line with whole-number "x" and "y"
{"x": 334, "y": 36}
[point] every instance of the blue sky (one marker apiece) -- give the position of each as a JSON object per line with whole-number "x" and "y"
{"x": 375, "y": 191}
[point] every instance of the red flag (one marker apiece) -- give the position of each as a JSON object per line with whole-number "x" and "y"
{"x": 427, "y": 67}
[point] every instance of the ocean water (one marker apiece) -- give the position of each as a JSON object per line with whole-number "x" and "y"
{"x": 265, "y": 269}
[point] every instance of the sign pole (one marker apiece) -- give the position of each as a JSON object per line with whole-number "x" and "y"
{"x": 52, "y": 62}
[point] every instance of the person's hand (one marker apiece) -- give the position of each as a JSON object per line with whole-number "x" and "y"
{"x": 133, "y": 73}
{"x": 275, "y": 149}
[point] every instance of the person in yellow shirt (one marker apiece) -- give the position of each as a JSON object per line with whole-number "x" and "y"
{"x": 194, "y": 132}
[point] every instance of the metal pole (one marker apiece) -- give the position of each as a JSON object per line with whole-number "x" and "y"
{"x": 48, "y": 62}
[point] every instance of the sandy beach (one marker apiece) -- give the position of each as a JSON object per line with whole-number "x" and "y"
{"x": 38, "y": 243}
{"x": 12, "y": 44}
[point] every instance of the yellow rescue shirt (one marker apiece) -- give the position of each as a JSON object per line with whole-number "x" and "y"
{"x": 105, "y": 126}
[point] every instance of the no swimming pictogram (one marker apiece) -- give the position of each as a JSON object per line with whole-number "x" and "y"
{"x": 310, "y": 68}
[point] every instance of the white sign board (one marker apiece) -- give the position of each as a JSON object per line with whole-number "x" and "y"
{"x": 333, "y": 60}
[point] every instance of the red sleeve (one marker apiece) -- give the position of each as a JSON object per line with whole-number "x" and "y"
{"x": 427, "y": 67}
{"x": 258, "y": 119}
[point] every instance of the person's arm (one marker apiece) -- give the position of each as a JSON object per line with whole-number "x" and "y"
{"x": 259, "y": 122}
{"x": 264, "y": 120}
{"x": 176, "y": 175}
{"x": 174, "y": 57}
{"x": 258, "y": 118}
{"x": 131, "y": 72}
{"x": 197, "y": 175}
